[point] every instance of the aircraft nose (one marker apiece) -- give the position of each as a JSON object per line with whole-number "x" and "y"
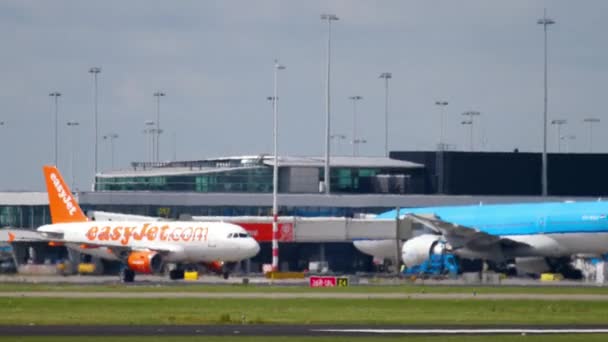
{"x": 254, "y": 248}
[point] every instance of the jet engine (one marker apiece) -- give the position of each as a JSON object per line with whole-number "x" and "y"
{"x": 221, "y": 268}
{"x": 416, "y": 250}
{"x": 145, "y": 262}
{"x": 215, "y": 266}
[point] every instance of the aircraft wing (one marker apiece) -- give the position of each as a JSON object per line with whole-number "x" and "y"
{"x": 20, "y": 235}
{"x": 466, "y": 237}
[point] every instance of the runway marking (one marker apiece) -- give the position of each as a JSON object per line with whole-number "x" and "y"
{"x": 464, "y": 331}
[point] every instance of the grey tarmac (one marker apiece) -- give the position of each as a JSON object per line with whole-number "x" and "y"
{"x": 259, "y": 280}
{"x": 304, "y": 295}
{"x": 288, "y": 330}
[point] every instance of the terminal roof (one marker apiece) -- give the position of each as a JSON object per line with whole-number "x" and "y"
{"x": 341, "y": 161}
{"x": 224, "y": 164}
{"x": 23, "y": 198}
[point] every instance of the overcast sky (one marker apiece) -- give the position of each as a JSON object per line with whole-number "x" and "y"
{"x": 214, "y": 60}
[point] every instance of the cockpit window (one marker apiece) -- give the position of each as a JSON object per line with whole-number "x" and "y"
{"x": 238, "y": 235}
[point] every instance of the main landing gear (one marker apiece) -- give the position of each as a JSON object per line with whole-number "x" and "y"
{"x": 127, "y": 275}
{"x": 225, "y": 272}
{"x": 176, "y": 274}
{"x": 222, "y": 269}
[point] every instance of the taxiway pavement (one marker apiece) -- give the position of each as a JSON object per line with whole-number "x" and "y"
{"x": 302, "y": 295}
{"x": 288, "y": 330}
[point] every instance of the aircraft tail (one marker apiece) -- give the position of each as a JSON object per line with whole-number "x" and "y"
{"x": 64, "y": 207}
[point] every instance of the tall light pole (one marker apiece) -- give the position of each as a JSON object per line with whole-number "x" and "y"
{"x": 149, "y": 129}
{"x": 2, "y": 123}
{"x": 471, "y": 114}
{"x": 271, "y": 100}
{"x": 386, "y": 76}
{"x": 95, "y": 71}
{"x": 568, "y": 138}
{"x": 355, "y": 99}
{"x": 56, "y": 95}
{"x": 338, "y": 138}
{"x": 559, "y": 123}
{"x": 174, "y": 146}
{"x": 470, "y": 124}
{"x": 111, "y": 137}
{"x": 357, "y": 142}
{"x": 327, "y": 181}
{"x": 591, "y": 121}
{"x": 73, "y": 125}
{"x": 545, "y": 22}
{"x": 441, "y": 105}
{"x": 275, "y": 169}
{"x": 158, "y": 95}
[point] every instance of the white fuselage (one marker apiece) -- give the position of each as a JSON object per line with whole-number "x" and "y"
{"x": 186, "y": 241}
{"x": 564, "y": 244}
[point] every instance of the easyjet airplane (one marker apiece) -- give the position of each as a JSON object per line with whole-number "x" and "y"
{"x": 143, "y": 247}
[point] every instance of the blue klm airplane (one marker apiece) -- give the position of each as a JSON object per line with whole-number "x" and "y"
{"x": 527, "y": 233}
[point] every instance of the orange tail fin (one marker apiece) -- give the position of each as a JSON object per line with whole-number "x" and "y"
{"x": 64, "y": 207}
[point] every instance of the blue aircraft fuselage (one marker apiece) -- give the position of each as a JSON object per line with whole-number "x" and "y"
{"x": 522, "y": 219}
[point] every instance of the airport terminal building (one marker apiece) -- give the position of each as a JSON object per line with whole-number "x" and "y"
{"x": 242, "y": 186}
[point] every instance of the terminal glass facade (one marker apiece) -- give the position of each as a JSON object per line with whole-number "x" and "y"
{"x": 255, "y": 180}
{"x": 351, "y": 180}
{"x": 250, "y": 180}
{"x": 24, "y": 216}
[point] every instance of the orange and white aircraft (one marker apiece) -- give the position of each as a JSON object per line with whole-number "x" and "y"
{"x": 143, "y": 247}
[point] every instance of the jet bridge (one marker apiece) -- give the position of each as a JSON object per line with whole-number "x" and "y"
{"x": 299, "y": 229}
{"x": 320, "y": 229}
{"x": 324, "y": 230}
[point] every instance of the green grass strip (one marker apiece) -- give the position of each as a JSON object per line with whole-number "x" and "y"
{"x": 85, "y": 311}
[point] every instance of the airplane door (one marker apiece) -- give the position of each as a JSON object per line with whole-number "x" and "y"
{"x": 211, "y": 240}
{"x": 542, "y": 222}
